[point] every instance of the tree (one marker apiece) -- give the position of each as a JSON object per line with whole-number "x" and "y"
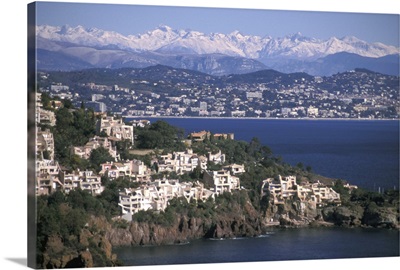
{"x": 254, "y": 148}
{"x": 160, "y": 135}
{"x": 266, "y": 151}
{"x": 99, "y": 156}
{"x": 170, "y": 135}
{"x": 72, "y": 129}
{"x": 300, "y": 166}
{"x": 149, "y": 139}
{"x": 68, "y": 104}
{"x": 264, "y": 202}
{"x": 46, "y": 101}
{"x": 344, "y": 192}
{"x": 196, "y": 173}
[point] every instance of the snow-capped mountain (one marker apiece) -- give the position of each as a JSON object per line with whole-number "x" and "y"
{"x": 110, "y": 49}
{"x": 166, "y": 39}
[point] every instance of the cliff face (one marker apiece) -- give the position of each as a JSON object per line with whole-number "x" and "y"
{"x": 295, "y": 213}
{"x": 245, "y": 222}
{"x": 89, "y": 249}
{"x": 93, "y": 246}
{"x": 292, "y": 213}
{"x": 356, "y": 215}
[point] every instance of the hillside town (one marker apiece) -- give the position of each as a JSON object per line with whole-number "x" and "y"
{"x": 357, "y": 94}
{"x": 151, "y": 191}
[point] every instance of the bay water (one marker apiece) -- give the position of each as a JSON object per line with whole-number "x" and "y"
{"x": 365, "y": 153}
{"x": 278, "y": 245}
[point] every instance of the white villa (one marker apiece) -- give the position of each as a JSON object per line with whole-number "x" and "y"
{"x": 47, "y": 177}
{"x": 181, "y": 162}
{"x": 85, "y": 180}
{"x": 44, "y": 116}
{"x": 223, "y": 181}
{"x": 217, "y": 158}
{"x": 115, "y": 129}
{"x": 234, "y": 168}
{"x": 155, "y": 195}
{"x": 136, "y": 170}
{"x": 45, "y": 143}
{"x": 282, "y": 189}
{"x": 94, "y": 143}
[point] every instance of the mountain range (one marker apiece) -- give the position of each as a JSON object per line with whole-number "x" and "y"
{"x": 74, "y": 48}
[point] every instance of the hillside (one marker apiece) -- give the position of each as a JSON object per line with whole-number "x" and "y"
{"x": 78, "y": 229}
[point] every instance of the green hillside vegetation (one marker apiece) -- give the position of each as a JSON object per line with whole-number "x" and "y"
{"x": 66, "y": 216}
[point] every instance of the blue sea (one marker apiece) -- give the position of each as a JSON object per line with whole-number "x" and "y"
{"x": 278, "y": 245}
{"x": 365, "y": 153}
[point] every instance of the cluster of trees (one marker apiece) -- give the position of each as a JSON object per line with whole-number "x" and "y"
{"x": 160, "y": 135}
{"x": 259, "y": 161}
{"x": 365, "y": 198}
{"x": 64, "y": 217}
{"x": 75, "y": 127}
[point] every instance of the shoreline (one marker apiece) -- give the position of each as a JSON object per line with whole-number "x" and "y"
{"x": 259, "y": 118}
{"x": 266, "y": 230}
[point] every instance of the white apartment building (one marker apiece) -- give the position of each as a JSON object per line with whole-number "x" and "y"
{"x": 115, "y": 128}
{"x": 85, "y": 180}
{"x": 223, "y": 181}
{"x": 282, "y": 189}
{"x": 155, "y": 195}
{"x": 45, "y": 144}
{"x": 217, "y": 158}
{"x": 47, "y": 177}
{"x": 136, "y": 170}
{"x": 234, "y": 168}
{"x": 180, "y": 162}
{"x": 94, "y": 143}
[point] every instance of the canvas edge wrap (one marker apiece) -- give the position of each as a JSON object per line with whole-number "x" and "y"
{"x": 31, "y": 73}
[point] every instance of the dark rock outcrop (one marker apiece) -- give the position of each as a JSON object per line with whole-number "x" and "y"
{"x": 381, "y": 217}
{"x": 240, "y": 221}
{"x": 245, "y": 222}
{"x": 357, "y": 215}
{"x": 343, "y": 215}
{"x": 88, "y": 249}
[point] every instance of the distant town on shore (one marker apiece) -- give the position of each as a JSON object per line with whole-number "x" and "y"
{"x": 162, "y": 91}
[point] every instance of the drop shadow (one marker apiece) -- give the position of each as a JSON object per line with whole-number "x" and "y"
{"x": 20, "y": 261}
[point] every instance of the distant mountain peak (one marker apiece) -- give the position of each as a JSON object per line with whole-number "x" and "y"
{"x": 63, "y": 29}
{"x": 293, "y": 46}
{"x": 166, "y": 42}
{"x": 351, "y": 39}
{"x": 164, "y": 28}
{"x": 236, "y": 33}
{"x": 297, "y": 35}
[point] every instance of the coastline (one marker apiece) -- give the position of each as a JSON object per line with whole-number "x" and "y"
{"x": 266, "y": 228}
{"x": 259, "y": 118}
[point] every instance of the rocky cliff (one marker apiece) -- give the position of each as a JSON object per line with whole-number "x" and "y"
{"x": 357, "y": 215}
{"x": 88, "y": 249}
{"x": 245, "y": 222}
{"x": 295, "y": 213}
{"x": 93, "y": 245}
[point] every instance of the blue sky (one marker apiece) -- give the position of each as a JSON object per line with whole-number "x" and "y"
{"x": 136, "y": 19}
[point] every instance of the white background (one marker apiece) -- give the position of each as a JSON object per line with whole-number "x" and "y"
{"x": 13, "y": 89}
